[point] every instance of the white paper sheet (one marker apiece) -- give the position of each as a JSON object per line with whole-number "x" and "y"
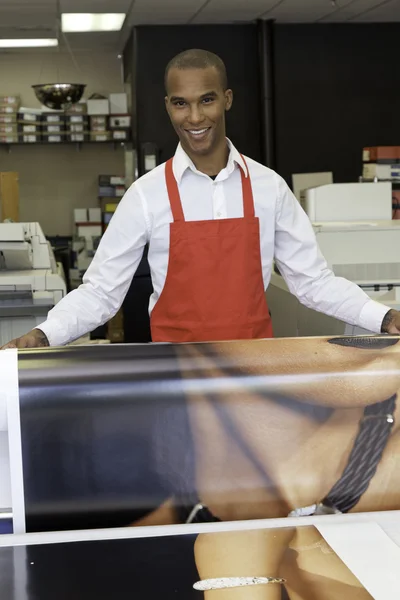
{"x": 369, "y": 553}
{"x": 9, "y": 396}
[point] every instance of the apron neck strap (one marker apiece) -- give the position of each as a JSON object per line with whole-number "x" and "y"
{"x": 248, "y": 200}
{"x": 175, "y": 199}
{"x": 173, "y": 192}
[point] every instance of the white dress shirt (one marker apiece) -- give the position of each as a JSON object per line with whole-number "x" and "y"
{"x": 144, "y": 216}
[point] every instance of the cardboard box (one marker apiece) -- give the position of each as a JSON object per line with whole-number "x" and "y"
{"x": 99, "y": 123}
{"x": 377, "y": 153}
{"x": 89, "y": 230}
{"x": 111, "y": 191}
{"x": 53, "y": 118}
{"x": 78, "y": 128}
{"x": 9, "y": 139}
{"x": 95, "y": 215}
{"x": 122, "y": 135}
{"x": 103, "y": 136}
{"x": 30, "y": 138}
{"x": 107, "y": 180}
{"x": 98, "y": 128}
{"x": 98, "y": 107}
{"x": 30, "y": 128}
{"x": 53, "y": 138}
{"x": 31, "y": 117}
{"x": 77, "y": 109}
{"x": 7, "y": 109}
{"x": 81, "y": 215}
{"x": 8, "y": 118}
{"x": 78, "y": 137}
{"x": 111, "y": 207}
{"x": 381, "y": 171}
{"x": 76, "y": 119}
{"x": 53, "y": 128}
{"x": 120, "y": 122}
{"x": 8, "y": 129}
{"x": 118, "y": 104}
{"x": 13, "y": 100}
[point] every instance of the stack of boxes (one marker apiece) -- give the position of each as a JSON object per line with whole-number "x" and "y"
{"x": 382, "y": 163}
{"x": 9, "y": 106}
{"x": 29, "y": 127}
{"x": 53, "y": 128}
{"x": 98, "y": 120}
{"x": 88, "y": 232}
{"x": 109, "y": 118}
{"x": 77, "y": 123}
{"x": 111, "y": 190}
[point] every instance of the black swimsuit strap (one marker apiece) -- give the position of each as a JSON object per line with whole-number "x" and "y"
{"x": 373, "y": 435}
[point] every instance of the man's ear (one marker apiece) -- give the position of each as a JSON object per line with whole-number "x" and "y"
{"x": 228, "y": 99}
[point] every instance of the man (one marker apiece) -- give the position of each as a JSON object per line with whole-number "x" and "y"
{"x": 214, "y": 221}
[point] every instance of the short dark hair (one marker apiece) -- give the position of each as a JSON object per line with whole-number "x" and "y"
{"x": 198, "y": 59}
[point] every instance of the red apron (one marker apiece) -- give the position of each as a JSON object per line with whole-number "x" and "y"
{"x": 214, "y": 289}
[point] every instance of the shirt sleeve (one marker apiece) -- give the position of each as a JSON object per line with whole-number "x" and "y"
{"x": 107, "y": 280}
{"x": 306, "y": 272}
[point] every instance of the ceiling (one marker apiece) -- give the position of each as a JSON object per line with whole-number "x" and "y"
{"x": 38, "y": 18}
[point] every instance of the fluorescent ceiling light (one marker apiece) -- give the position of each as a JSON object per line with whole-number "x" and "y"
{"x": 28, "y": 43}
{"x": 79, "y": 22}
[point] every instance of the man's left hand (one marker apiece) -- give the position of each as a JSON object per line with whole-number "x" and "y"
{"x": 391, "y": 323}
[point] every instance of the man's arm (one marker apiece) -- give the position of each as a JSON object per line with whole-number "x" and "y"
{"x": 308, "y": 277}
{"x": 105, "y": 283}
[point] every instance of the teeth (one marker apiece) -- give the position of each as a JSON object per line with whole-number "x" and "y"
{"x": 199, "y": 132}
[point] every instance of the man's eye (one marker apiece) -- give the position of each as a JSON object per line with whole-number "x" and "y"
{"x": 207, "y": 100}
{"x": 179, "y": 103}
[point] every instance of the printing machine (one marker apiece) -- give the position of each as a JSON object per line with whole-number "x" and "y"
{"x": 31, "y": 282}
{"x": 357, "y": 236}
{"x": 348, "y": 202}
{"x": 365, "y": 253}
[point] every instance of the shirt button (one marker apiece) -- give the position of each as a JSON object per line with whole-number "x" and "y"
{"x": 219, "y": 214}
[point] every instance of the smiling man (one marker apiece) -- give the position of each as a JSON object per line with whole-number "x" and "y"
{"x": 214, "y": 221}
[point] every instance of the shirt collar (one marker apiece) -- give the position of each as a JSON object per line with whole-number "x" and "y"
{"x": 182, "y": 162}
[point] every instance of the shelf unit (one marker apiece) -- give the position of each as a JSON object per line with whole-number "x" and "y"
{"x": 115, "y": 143}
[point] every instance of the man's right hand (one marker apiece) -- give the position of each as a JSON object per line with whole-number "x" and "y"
{"x": 34, "y": 339}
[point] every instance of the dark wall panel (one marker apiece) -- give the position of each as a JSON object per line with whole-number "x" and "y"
{"x": 236, "y": 45}
{"x": 336, "y": 91}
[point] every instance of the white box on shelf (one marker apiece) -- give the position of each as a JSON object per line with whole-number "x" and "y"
{"x": 80, "y": 215}
{"x": 95, "y": 215}
{"x": 98, "y": 107}
{"x": 89, "y": 231}
{"x": 118, "y": 104}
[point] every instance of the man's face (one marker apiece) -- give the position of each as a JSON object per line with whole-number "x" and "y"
{"x": 196, "y": 104}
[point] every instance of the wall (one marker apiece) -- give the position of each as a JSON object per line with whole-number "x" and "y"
{"x": 237, "y": 46}
{"x": 56, "y": 179}
{"x": 336, "y": 92}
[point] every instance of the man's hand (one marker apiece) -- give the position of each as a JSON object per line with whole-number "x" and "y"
{"x": 34, "y": 339}
{"x": 391, "y": 323}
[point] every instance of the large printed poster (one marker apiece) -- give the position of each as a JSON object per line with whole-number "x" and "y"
{"x": 294, "y": 563}
{"x": 205, "y": 432}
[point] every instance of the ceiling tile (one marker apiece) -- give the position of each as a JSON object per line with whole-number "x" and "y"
{"x": 348, "y": 11}
{"x": 161, "y": 11}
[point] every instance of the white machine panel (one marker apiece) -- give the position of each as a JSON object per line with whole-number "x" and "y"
{"x": 349, "y": 202}
{"x": 362, "y": 252}
{"x": 365, "y": 253}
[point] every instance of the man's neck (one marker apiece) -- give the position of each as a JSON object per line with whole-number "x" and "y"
{"x": 213, "y": 163}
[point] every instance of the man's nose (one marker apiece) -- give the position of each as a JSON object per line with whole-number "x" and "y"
{"x": 196, "y": 115}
